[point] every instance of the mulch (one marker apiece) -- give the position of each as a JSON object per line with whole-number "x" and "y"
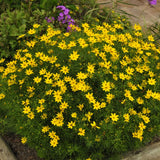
{"x": 21, "y": 151}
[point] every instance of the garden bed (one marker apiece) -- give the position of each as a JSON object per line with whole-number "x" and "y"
{"x": 21, "y": 151}
{"x": 72, "y": 84}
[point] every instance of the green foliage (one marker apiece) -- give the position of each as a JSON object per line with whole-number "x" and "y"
{"x": 12, "y": 25}
{"x": 88, "y": 93}
{"x": 155, "y": 30}
{"x": 48, "y": 4}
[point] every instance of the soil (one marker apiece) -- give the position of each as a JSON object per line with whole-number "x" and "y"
{"x": 21, "y": 151}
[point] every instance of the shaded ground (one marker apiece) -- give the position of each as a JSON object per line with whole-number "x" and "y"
{"x": 21, "y": 151}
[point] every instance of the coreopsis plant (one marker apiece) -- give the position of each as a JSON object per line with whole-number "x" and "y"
{"x": 83, "y": 94}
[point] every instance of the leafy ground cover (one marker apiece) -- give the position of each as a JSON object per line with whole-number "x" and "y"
{"x": 71, "y": 83}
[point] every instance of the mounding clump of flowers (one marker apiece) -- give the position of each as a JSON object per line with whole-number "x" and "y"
{"x": 84, "y": 94}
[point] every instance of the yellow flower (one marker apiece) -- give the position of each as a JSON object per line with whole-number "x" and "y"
{"x": 21, "y": 36}
{"x": 44, "y": 116}
{"x": 93, "y": 124}
{"x": 74, "y": 115}
{"x": 137, "y": 27}
{"x": 126, "y": 117}
{"x": 109, "y": 97}
{"x": 138, "y": 134}
{"x": 106, "y": 86}
{"x": 31, "y": 115}
{"x": 1, "y": 69}
{"x": 130, "y": 71}
{"x": 2, "y": 60}
{"x": 90, "y": 97}
{"x": 63, "y": 105}
{"x": 89, "y": 115}
{"x": 45, "y": 129}
{"x": 114, "y": 117}
{"x": 145, "y": 118}
{"x": 49, "y": 92}
{"x": 142, "y": 126}
{"x": 26, "y": 102}
{"x": 52, "y": 134}
{"x": 131, "y": 98}
{"x": 140, "y": 100}
{"x": 23, "y": 140}
{"x": 151, "y": 38}
{"x": 41, "y": 101}
{"x": 62, "y": 45}
{"x": 40, "y": 109}
{"x": 65, "y": 69}
{"x": 24, "y": 64}
{"x": 151, "y": 81}
{"x": 71, "y": 44}
{"x": 71, "y": 124}
{"x": 80, "y": 106}
{"x": 127, "y": 93}
{"x": 37, "y": 79}
{"x": 132, "y": 111}
{"x": 36, "y": 25}
{"x": 90, "y": 68}
{"x": 145, "y": 111}
{"x": 30, "y": 89}
{"x": 74, "y": 56}
{"x": 96, "y": 105}
{"x": 81, "y": 132}
{"x": 2, "y": 96}
{"x": 26, "y": 110}
{"x": 81, "y": 75}
{"x": 53, "y": 142}
{"x": 29, "y": 71}
{"x": 57, "y": 96}
{"x": 122, "y": 76}
{"x": 31, "y": 31}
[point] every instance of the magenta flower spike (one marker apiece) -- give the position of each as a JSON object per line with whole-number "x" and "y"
{"x": 152, "y": 2}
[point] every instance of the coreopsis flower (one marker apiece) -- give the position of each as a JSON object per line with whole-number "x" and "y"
{"x": 23, "y": 140}
{"x": 31, "y": 31}
{"x": 114, "y": 117}
{"x": 71, "y": 124}
{"x": 81, "y": 132}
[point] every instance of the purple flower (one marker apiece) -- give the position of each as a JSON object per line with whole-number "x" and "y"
{"x": 49, "y": 20}
{"x": 72, "y": 20}
{"x": 66, "y": 11}
{"x": 60, "y": 18}
{"x": 53, "y": 18}
{"x": 69, "y": 23}
{"x": 64, "y": 21}
{"x": 152, "y": 2}
{"x": 61, "y": 14}
{"x": 68, "y": 17}
{"x": 61, "y": 7}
